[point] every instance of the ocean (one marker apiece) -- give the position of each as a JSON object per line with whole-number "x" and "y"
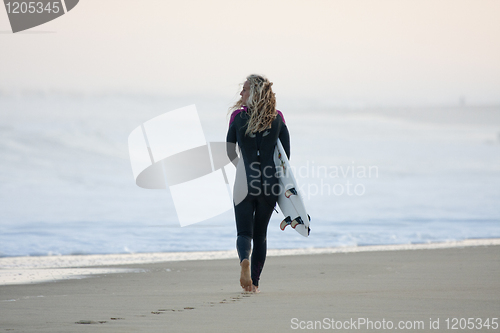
{"x": 369, "y": 175}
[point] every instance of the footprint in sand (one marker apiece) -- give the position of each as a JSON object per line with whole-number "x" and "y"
{"x": 90, "y": 322}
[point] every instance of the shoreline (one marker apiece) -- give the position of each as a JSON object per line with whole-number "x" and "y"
{"x": 421, "y": 290}
{"x": 30, "y": 270}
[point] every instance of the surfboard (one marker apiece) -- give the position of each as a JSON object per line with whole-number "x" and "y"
{"x": 290, "y": 200}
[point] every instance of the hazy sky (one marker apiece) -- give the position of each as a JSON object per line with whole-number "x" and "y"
{"x": 374, "y": 52}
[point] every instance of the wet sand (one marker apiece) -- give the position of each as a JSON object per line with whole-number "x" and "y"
{"x": 301, "y": 292}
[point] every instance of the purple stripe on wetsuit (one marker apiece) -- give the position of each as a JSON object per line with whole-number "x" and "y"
{"x": 244, "y": 108}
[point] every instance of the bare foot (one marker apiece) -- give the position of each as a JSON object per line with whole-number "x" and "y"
{"x": 255, "y": 289}
{"x": 245, "y": 278}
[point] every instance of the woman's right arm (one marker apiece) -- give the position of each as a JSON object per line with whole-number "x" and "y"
{"x": 285, "y": 139}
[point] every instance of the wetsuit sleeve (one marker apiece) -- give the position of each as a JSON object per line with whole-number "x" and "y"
{"x": 231, "y": 144}
{"x": 285, "y": 139}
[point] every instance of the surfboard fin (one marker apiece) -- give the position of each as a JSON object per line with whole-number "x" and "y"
{"x": 285, "y": 222}
{"x": 290, "y": 192}
{"x": 296, "y": 222}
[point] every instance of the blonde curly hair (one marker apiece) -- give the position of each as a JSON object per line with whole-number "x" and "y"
{"x": 261, "y": 104}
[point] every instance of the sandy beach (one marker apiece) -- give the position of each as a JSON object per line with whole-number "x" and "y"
{"x": 365, "y": 291}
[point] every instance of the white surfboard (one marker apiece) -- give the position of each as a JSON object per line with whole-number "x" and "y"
{"x": 290, "y": 200}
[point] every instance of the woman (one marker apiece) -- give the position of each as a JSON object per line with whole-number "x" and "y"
{"x": 255, "y": 126}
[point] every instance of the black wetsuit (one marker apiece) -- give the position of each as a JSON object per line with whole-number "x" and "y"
{"x": 254, "y": 211}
